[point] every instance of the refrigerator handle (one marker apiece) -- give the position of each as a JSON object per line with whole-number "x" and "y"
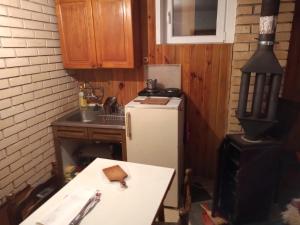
{"x": 128, "y": 125}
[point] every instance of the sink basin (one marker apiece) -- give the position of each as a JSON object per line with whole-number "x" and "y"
{"x": 83, "y": 116}
{"x": 97, "y": 119}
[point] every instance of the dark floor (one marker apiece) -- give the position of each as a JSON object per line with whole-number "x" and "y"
{"x": 202, "y": 193}
{"x": 199, "y": 193}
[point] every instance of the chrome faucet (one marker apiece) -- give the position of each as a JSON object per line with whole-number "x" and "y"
{"x": 91, "y": 96}
{"x": 90, "y": 92}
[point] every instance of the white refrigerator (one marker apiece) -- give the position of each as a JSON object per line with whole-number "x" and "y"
{"x": 154, "y": 136}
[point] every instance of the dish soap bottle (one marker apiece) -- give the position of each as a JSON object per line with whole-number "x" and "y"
{"x": 82, "y": 99}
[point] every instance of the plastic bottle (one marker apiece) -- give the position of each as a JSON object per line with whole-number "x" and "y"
{"x": 82, "y": 99}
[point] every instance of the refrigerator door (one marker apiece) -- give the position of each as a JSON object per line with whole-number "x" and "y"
{"x": 152, "y": 137}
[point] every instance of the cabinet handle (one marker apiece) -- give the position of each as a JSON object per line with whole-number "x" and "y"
{"x": 169, "y": 18}
{"x": 128, "y": 125}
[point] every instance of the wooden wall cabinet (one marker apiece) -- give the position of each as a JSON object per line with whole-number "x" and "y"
{"x": 98, "y": 33}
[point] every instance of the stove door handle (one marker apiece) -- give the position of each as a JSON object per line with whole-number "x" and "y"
{"x": 128, "y": 125}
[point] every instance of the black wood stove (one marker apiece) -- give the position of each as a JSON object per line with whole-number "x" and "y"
{"x": 247, "y": 179}
{"x": 248, "y": 163}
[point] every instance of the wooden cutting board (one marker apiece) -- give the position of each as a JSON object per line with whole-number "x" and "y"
{"x": 156, "y": 101}
{"x": 116, "y": 173}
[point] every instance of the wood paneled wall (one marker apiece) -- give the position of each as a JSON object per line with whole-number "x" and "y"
{"x": 122, "y": 83}
{"x": 205, "y": 82}
{"x": 292, "y": 76}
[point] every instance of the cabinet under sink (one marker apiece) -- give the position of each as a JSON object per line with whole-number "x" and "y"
{"x": 87, "y": 132}
{"x": 77, "y": 154}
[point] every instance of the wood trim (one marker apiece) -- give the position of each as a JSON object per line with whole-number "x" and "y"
{"x": 136, "y": 30}
{"x": 124, "y": 148}
{"x": 71, "y": 132}
{"x": 105, "y": 134}
{"x": 60, "y": 170}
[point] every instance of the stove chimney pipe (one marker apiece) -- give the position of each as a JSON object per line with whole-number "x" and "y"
{"x": 264, "y": 60}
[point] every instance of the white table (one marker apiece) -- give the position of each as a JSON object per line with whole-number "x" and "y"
{"x": 136, "y": 205}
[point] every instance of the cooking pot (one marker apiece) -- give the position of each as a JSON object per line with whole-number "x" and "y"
{"x": 151, "y": 83}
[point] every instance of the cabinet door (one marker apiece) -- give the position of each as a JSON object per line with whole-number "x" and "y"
{"x": 114, "y": 33}
{"x": 75, "y": 20}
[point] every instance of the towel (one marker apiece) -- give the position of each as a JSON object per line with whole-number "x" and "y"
{"x": 68, "y": 208}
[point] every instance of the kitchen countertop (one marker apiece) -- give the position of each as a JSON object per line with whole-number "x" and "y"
{"x": 100, "y": 120}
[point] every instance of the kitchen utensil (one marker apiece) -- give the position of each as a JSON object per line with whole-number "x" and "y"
{"x": 151, "y": 84}
{"x": 91, "y": 203}
{"x": 110, "y": 105}
{"x": 116, "y": 173}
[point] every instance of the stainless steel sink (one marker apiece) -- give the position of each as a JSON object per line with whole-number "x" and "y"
{"x": 87, "y": 118}
{"x": 82, "y": 116}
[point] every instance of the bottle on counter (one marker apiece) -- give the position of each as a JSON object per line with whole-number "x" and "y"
{"x": 82, "y": 99}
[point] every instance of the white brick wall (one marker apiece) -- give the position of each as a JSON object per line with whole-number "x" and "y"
{"x": 34, "y": 91}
